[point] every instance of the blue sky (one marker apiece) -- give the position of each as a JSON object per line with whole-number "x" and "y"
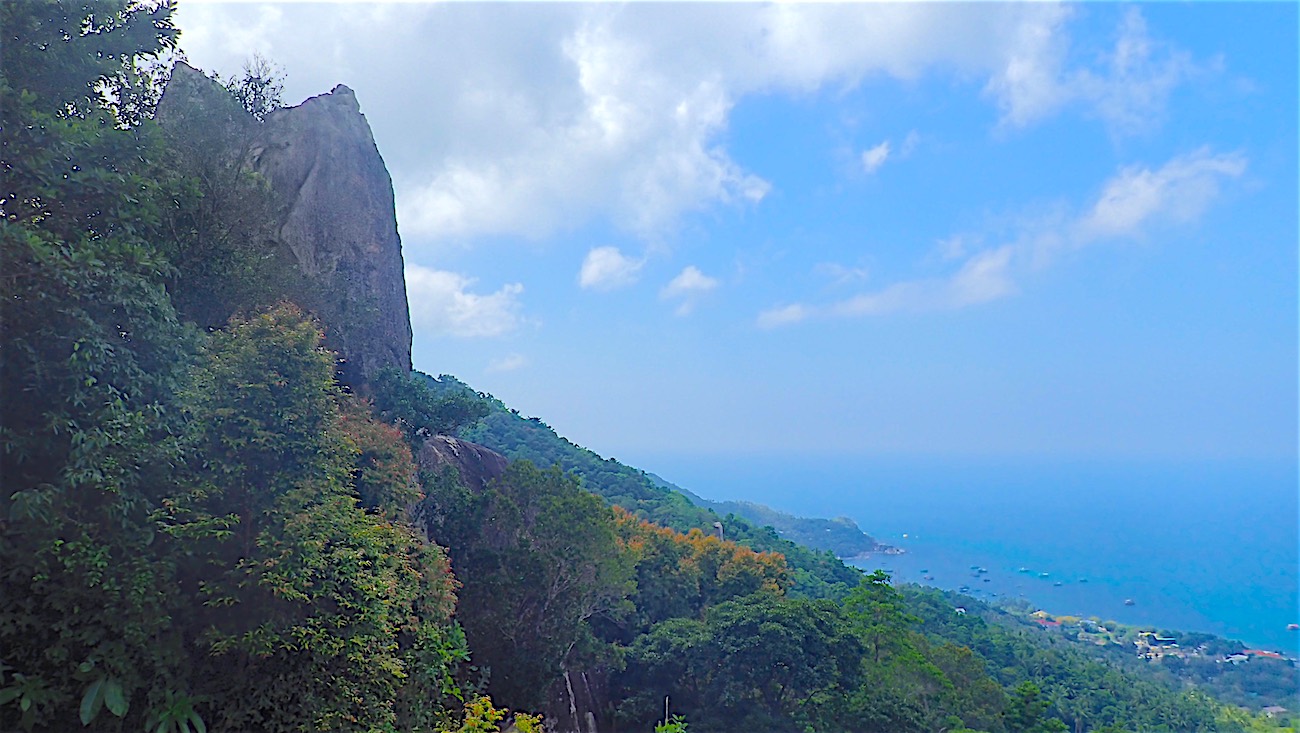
{"x": 1051, "y": 231}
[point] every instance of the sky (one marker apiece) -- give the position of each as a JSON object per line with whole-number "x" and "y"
{"x": 955, "y": 230}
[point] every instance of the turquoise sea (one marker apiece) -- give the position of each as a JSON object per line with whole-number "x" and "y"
{"x": 1205, "y": 546}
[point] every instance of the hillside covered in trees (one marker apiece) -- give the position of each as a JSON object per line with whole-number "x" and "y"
{"x": 217, "y": 514}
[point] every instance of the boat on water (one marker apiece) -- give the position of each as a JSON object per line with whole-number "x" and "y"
{"x": 1022, "y": 569}
{"x": 1130, "y": 602}
{"x": 1293, "y": 627}
{"x": 1058, "y": 584}
{"x": 1043, "y": 575}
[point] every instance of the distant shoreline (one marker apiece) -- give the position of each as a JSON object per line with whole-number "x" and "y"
{"x": 950, "y": 573}
{"x": 882, "y": 549}
{"x": 1161, "y": 533}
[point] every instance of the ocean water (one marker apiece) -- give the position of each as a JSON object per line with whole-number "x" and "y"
{"x": 1205, "y": 546}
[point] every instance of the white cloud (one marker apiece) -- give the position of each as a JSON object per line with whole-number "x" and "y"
{"x": 441, "y": 305}
{"x": 689, "y": 281}
{"x": 1027, "y": 87}
{"x": 873, "y": 158}
{"x": 508, "y": 363}
{"x": 1131, "y": 94}
{"x": 527, "y": 119}
{"x": 982, "y": 278}
{"x": 909, "y": 144}
{"x": 1129, "y": 89}
{"x": 839, "y": 274}
{"x": 688, "y": 287}
{"x": 954, "y": 247}
{"x": 784, "y": 315}
{"x": 1178, "y": 191}
{"x": 631, "y": 141}
{"x": 606, "y": 268}
{"x": 1131, "y": 202}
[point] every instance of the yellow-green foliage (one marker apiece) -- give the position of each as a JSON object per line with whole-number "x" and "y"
{"x": 481, "y": 716}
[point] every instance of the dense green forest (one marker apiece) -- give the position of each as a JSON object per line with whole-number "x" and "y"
{"x": 817, "y": 573}
{"x": 207, "y": 526}
{"x": 1083, "y": 685}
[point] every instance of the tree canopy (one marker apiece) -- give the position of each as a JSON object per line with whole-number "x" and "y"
{"x": 201, "y": 528}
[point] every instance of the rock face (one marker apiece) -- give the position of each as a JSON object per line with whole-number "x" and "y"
{"x": 476, "y": 465}
{"x": 336, "y": 214}
{"x": 341, "y": 225}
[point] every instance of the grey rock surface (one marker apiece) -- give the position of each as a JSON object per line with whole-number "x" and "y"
{"x": 336, "y": 214}
{"x": 340, "y": 224}
{"x": 477, "y": 465}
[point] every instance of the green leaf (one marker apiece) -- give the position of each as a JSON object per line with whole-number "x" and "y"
{"x": 91, "y": 701}
{"x": 183, "y": 726}
{"x": 8, "y": 694}
{"x": 114, "y": 699}
{"x": 163, "y": 726}
{"x": 199, "y": 725}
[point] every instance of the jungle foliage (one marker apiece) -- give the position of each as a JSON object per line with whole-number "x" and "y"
{"x": 816, "y": 574}
{"x": 202, "y": 529}
{"x": 198, "y": 529}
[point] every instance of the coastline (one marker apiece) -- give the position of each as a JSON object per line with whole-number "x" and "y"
{"x": 1058, "y": 593}
{"x": 864, "y": 557}
{"x": 1200, "y": 545}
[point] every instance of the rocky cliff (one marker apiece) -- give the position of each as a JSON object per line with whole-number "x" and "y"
{"x": 334, "y": 211}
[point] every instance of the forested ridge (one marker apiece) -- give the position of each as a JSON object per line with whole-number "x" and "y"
{"x": 209, "y": 523}
{"x": 651, "y": 497}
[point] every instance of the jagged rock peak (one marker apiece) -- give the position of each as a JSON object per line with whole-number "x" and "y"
{"x": 337, "y": 214}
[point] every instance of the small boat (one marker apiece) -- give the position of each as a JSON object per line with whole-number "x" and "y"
{"x": 964, "y": 589}
{"x": 974, "y": 567}
{"x": 1083, "y": 580}
{"x": 1058, "y": 584}
{"x": 928, "y": 577}
{"x": 1130, "y": 602}
{"x": 1043, "y": 575}
{"x": 1293, "y": 627}
{"x": 982, "y": 570}
{"x": 988, "y": 580}
{"x": 1023, "y": 569}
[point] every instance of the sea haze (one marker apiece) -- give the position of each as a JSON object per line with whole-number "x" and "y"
{"x": 1203, "y": 546}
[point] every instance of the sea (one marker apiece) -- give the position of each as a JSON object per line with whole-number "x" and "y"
{"x": 1211, "y": 546}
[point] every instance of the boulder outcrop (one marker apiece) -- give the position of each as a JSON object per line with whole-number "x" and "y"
{"x": 477, "y": 466}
